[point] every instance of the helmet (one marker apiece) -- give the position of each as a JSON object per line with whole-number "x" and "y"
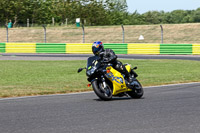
{"x": 97, "y": 47}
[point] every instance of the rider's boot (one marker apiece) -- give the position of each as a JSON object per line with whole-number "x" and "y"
{"x": 127, "y": 75}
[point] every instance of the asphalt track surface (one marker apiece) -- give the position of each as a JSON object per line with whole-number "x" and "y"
{"x": 163, "y": 109}
{"x": 85, "y": 56}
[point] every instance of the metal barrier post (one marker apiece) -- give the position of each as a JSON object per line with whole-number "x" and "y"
{"x": 161, "y": 34}
{"x": 83, "y": 33}
{"x": 27, "y": 22}
{"x": 45, "y": 33}
{"x": 7, "y": 31}
{"x": 123, "y": 33}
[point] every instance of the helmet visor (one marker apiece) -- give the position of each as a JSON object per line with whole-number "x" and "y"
{"x": 95, "y": 50}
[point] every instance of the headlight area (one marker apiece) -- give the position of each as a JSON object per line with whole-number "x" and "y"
{"x": 91, "y": 71}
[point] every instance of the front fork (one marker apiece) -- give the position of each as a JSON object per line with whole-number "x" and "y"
{"x": 105, "y": 88}
{"x": 103, "y": 81}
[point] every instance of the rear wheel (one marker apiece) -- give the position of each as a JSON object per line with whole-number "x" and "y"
{"x": 137, "y": 90}
{"x": 103, "y": 93}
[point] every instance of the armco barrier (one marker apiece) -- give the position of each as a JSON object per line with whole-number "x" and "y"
{"x": 196, "y": 49}
{"x": 20, "y": 48}
{"x": 50, "y": 48}
{"x": 143, "y": 48}
{"x": 117, "y": 47}
{"x": 175, "y": 48}
{"x": 79, "y": 48}
{"x": 2, "y": 47}
{"x": 85, "y": 48}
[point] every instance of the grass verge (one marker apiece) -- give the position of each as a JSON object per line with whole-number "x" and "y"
{"x": 23, "y": 78}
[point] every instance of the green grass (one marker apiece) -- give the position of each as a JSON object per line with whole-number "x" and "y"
{"x": 22, "y": 78}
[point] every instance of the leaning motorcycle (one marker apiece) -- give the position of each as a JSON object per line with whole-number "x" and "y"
{"x": 108, "y": 82}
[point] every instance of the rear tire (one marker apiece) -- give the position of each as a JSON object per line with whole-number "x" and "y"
{"x": 98, "y": 89}
{"x": 138, "y": 92}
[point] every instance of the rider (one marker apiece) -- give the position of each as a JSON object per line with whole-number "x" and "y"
{"x": 108, "y": 56}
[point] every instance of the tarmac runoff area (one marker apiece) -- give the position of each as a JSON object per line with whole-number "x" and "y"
{"x": 85, "y": 56}
{"x": 163, "y": 109}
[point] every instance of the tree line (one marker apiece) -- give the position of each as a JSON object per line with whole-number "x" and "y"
{"x": 91, "y": 12}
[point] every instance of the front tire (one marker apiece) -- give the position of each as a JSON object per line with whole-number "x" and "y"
{"x": 103, "y": 94}
{"x": 137, "y": 91}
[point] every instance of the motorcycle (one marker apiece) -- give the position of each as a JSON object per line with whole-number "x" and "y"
{"x": 108, "y": 82}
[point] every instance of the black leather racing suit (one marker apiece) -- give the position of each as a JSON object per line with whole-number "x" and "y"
{"x": 108, "y": 55}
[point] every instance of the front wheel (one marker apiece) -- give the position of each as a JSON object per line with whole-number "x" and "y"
{"x": 137, "y": 91}
{"x": 103, "y": 93}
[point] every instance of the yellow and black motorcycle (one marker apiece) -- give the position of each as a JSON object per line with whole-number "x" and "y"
{"x": 108, "y": 82}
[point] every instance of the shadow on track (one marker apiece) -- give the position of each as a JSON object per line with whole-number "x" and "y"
{"x": 118, "y": 99}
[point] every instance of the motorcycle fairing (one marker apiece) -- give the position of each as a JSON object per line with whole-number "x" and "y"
{"x": 128, "y": 68}
{"x": 118, "y": 81}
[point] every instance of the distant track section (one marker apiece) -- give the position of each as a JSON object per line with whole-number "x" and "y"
{"x": 6, "y": 56}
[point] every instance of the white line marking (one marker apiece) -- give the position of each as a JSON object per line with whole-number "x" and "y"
{"x": 79, "y": 93}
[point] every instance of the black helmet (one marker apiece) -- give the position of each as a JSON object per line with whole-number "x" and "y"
{"x": 97, "y": 47}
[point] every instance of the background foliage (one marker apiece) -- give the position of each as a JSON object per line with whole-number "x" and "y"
{"x": 91, "y": 12}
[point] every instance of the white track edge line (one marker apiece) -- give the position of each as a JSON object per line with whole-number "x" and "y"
{"x": 87, "y": 92}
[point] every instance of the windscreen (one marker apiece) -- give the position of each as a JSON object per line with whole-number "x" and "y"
{"x": 90, "y": 60}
